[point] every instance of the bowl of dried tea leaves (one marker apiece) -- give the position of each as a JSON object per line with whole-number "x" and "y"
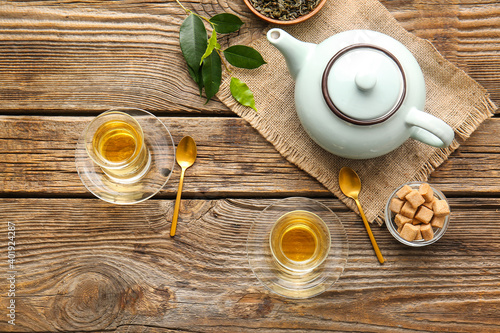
{"x": 285, "y": 11}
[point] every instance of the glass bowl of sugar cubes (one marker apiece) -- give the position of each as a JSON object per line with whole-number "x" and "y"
{"x": 417, "y": 214}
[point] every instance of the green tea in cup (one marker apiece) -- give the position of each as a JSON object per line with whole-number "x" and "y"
{"x": 299, "y": 241}
{"x": 115, "y": 141}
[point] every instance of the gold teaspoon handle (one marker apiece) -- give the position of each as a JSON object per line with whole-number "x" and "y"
{"x": 177, "y": 204}
{"x": 370, "y": 234}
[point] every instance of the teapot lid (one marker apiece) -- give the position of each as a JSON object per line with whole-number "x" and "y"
{"x": 364, "y": 84}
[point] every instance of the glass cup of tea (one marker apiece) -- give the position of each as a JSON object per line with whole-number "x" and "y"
{"x": 297, "y": 247}
{"x": 299, "y": 241}
{"x": 125, "y": 155}
{"x": 114, "y": 140}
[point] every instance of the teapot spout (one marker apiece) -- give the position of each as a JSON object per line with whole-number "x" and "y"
{"x": 295, "y": 51}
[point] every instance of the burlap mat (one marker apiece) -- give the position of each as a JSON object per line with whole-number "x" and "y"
{"x": 451, "y": 95}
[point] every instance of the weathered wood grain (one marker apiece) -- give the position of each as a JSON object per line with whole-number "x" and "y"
{"x": 234, "y": 160}
{"x": 83, "y": 265}
{"x": 38, "y": 159}
{"x": 97, "y": 56}
{"x": 67, "y": 57}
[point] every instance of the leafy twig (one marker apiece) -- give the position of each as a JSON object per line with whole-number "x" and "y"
{"x": 185, "y": 9}
{"x": 223, "y": 62}
{"x": 205, "y": 65}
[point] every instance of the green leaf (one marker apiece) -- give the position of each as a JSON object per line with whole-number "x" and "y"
{"x": 225, "y": 23}
{"x": 212, "y": 43}
{"x": 212, "y": 74}
{"x": 197, "y": 77}
{"x": 243, "y": 57}
{"x": 193, "y": 40}
{"x": 242, "y": 93}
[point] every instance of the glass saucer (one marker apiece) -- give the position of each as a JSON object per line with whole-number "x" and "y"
{"x": 162, "y": 149}
{"x": 296, "y": 285}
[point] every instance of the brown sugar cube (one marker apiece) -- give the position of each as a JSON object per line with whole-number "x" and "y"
{"x": 427, "y": 232}
{"x": 403, "y": 191}
{"x": 408, "y": 210}
{"x": 400, "y": 228}
{"x": 415, "y": 198}
{"x": 429, "y": 204}
{"x": 409, "y": 232}
{"x": 424, "y": 214}
{"x": 438, "y": 221}
{"x": 395, "y": 205}
{"x": 401, "y": 220}
{"x": 441, "y": 208}
{"x": 426, "y": 191}
{"x": 419, "y": 236}
{"x": 415, "y": 222}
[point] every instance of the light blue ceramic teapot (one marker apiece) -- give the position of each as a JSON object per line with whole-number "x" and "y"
{"x": 359, "y": 94}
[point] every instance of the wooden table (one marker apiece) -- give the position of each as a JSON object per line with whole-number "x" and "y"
{"x": 82, "y": 264}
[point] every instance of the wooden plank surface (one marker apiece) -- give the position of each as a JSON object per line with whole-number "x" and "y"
{"x": 86, "y": 265}
{"x": 91, "y": 57}
{"x": 233, "y": 160}
{"x": 116, "y": 268}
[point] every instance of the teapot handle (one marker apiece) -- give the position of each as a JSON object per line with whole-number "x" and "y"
{"x": 429, "y": 129}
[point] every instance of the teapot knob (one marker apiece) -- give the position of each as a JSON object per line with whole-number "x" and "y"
{"x": 365, "y": 80}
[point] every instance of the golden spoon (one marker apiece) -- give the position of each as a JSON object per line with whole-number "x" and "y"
{"x": 350, "y": 184}
{"x": 185, "y": 156}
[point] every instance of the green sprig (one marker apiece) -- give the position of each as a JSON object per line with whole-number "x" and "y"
{"x": 205, "y": 65}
